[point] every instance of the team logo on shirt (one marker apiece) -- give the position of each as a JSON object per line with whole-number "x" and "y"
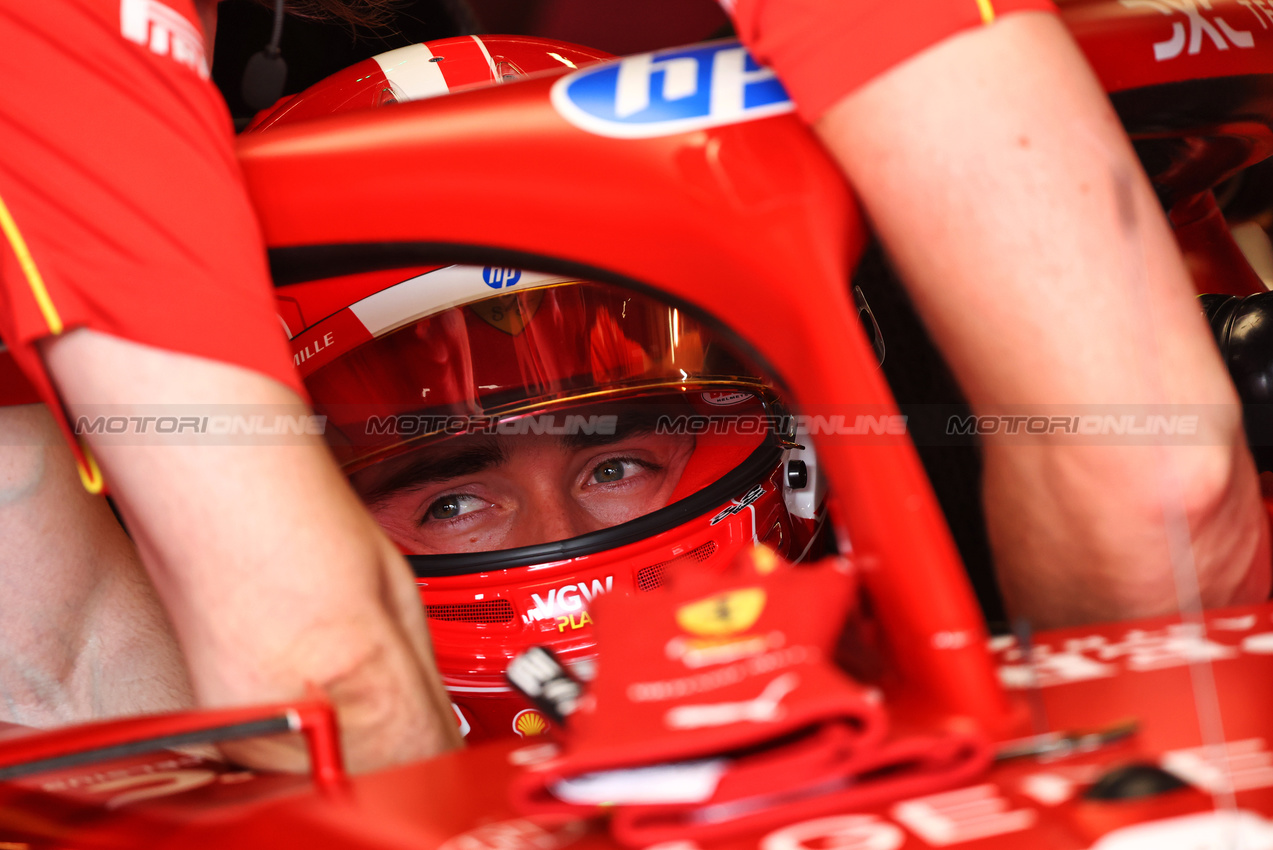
{"x": 670, "y": 91}
{"x": 164, "y": 32}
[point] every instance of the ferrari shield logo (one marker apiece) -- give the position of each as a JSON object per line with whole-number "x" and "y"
{"x": 509, "y": 313}
{"x": 723, "y": 614}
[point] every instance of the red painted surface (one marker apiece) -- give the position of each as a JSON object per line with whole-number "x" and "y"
{"x": 1140, "y": 672}
{"x": 1149, "y": 42}
{"x": 1215, "y": 261}
{"x": 711, "y": 218}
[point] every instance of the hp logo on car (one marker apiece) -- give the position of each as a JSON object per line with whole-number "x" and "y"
{"x": 670, "y": 91}
{"x": 498, "y": 278}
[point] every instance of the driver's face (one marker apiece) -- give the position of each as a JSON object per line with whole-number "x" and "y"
{"x": 479, "y": 493}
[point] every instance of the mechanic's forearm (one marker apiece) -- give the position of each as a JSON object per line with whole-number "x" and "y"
{"x": 83, "y": 635}
{"x": 1000, "y": 181}
{"x": 1082, "y": 534}
{"x": 348, "y": 621}
{"x": 274, "y": 575}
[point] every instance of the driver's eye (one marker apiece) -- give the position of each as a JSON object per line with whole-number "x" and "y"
{"x": 445, "y": 508}
{"x": 611, "y": 470}
{"x": 451, "y": 506}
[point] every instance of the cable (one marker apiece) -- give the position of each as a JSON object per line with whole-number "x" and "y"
{"x": 266, "y": 72}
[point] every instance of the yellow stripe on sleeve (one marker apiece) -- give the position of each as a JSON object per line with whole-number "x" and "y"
{"x": 34, "y": 280}
{"x": 987, "y": 11}
{"x": 90, "y": 473}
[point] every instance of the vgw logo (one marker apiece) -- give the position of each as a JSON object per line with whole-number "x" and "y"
{"x": 670, "y": 91}
{"x": 568, "y": 600}
{"x": 498, "y": 278}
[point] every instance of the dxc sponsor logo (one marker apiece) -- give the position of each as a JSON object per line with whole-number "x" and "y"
{"x": 1187, "y": 35}
{"x": 498, "y": 278}
{"x": 1261, "y": 9}
{"x": 564, "y": 603}
{"x": 670, "y": 91}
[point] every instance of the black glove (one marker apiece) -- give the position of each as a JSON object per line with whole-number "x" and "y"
{"x": 1243, "y": 328}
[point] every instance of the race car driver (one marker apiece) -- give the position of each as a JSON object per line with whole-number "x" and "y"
{"x": 556, "y": 411}
{"x": 132, "y": 277}
{"x": 997, "y": 177}
{"x": 537, "y": 446}
{"x": 485, "y": 492}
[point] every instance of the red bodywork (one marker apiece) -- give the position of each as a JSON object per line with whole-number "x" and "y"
{"x": 750, "y": 226}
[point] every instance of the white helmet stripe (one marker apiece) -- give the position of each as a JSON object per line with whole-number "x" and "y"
{"x": 411, "y": 72}
{"x": 439, "y": 290}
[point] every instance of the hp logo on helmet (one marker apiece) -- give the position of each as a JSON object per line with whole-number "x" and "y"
{"x": 670, "y": 91}
{"x": 497, "y": 278}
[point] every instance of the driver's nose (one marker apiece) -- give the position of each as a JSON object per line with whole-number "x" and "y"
{"x": 553, "y": 517}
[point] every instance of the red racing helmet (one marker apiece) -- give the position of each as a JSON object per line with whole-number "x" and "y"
{"x": 660, "y": 445}
{"x": 420, "y": 71}
{"x": 530, "y": 441}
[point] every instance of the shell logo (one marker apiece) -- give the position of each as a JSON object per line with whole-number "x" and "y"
{"x": 529, "y": 723}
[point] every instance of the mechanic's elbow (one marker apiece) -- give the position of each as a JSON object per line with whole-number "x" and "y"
{"x": 1228, "y": 525}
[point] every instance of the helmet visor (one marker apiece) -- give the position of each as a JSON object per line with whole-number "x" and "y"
{"x": 465, "y": 369}
{"x": 537, "y": 416}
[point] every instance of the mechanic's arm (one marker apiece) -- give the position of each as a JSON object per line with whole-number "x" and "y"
{"x": 273, "y": 574}
{"x": 83, "y": 636}
{"x": 998, "y": 178}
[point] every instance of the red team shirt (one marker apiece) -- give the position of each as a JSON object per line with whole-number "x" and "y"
{"x": 122, "y": 208}
{"x": 824, "y": 49}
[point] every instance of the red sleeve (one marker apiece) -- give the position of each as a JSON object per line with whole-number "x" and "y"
{"x": 824, "y": 49}
{"x": 122, "y": 208}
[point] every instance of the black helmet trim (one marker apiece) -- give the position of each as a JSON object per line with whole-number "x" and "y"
{"x": 758, "y": 466}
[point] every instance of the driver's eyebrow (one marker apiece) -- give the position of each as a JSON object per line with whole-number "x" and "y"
{"x": 439, "y": 466}
{"x": 641, "y": 420}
